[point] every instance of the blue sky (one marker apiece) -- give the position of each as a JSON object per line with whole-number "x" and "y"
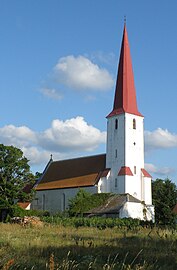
{"x": 58, "y": 64}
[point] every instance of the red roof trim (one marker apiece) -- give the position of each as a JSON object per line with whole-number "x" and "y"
{"x": 145, "y": 173}
{"x": 121, "y": 111}
{"x": 23, "y": 205}
{"x": 125, "y": 171}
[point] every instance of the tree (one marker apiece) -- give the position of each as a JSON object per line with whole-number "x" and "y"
{"x": 14, "y": 176}
{"x": 79, "y": 203}
{"x": 85, "y": 201}
{"x": 164, "y": 195}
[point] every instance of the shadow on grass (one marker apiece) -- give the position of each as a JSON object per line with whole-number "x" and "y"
{"x": 84, "y": 253}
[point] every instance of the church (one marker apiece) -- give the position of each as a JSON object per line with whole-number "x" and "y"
{"x": 120, "y": 171}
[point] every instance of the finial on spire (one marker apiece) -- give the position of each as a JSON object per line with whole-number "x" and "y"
{"x": 125, "y": 19}
{"x": 51, "y": 157}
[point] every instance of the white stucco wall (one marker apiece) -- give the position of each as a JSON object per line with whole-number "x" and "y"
{"x": 133, "y": 186}
{"x": 137, "y": 210}
{"x": 104, "y": 184}
{"x": 28, "y": 207}
{"x": 125, "y": 147}
{"x": 56, "y": 200}
{"x": 115, "y": 153}
{"x": 134, "y": 143}
{"x": 147, "y": 191}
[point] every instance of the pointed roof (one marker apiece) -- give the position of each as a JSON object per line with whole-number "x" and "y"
{"x": 125, "y": 171}
{"x": 125, "y": 93}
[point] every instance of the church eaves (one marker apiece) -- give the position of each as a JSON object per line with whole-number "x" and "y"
{"x": 125, "y": 93}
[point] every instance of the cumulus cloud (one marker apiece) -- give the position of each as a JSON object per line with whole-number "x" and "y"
{"x": 102, "y": 57}
{"x": 80, "y": 73}
{"x": 162, "y": 171}
{"x": 63, "y": 138}
{"x": 160, "y": 138}
{"x": 72, "y": 134}
{"x": 18, "y": 136}
{"x": 51, "y": 93}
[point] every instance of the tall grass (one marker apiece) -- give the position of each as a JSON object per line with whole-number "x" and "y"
{"x": 57, "y": 247}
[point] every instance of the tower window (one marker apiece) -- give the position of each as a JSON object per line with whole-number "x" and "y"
{"x": 116, "y": 153}
{"x": 134, "y": 169}
{"x": 134, "y": 123}
{"x": 116, "y": 183}
{"x": 116, "y": 124}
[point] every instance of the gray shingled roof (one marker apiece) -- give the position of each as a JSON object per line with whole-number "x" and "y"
{"x": 113, "y": 204}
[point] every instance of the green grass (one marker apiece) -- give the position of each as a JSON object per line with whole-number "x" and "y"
{"x": 56, "y": 247}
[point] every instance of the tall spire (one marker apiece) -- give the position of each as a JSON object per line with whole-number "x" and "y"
{"x": 125, "y": 93}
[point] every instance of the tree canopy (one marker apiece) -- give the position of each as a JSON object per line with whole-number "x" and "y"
{"x": 14, "y": 176}
{"x": 84, "y": 201}
{"x": 164, "y": 194}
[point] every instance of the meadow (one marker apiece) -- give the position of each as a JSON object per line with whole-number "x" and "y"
{"x": 53, "y": 246}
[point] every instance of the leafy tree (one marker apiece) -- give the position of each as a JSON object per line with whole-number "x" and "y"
{"x": 164, "y": 195}
{"x": 15, "y": 175}
{"x": 85, "y": 201}
{"x": 78, "y": 204}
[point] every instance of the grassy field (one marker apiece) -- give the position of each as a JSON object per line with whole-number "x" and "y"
{"x": 56, "y": 247}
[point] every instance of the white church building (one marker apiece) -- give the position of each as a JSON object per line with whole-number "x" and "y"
{"x": 120, "y": 171}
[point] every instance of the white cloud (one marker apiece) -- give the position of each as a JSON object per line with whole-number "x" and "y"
{"x": 69, "y": 138}
{"x": 18, "y": 136}
{"x": 160, "y": 138}
{"x": 162, "y": 171}
{"x": 51, "y": 93}
{"x": 80, "y": 73}
{"x": 63, "y": 138}
{"x": 102, "y": 57}
{"x": 36, "y": 155}
{"x": 73, "y": 134}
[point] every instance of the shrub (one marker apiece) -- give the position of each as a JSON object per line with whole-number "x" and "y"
{"x": 85, "y": 201}
{"x": 17, "y": 211}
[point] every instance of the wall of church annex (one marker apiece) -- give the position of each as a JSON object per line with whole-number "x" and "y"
{"x": 136, "y": 210}
{"x": 147, "y": 191}
{"x": 56, "y": 200}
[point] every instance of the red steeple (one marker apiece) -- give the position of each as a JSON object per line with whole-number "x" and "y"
{"x": 125, "y": 93}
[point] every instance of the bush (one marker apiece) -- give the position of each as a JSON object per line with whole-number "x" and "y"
{"x": 17, "y": 211}
{"x": 85, "y": 201}
{"x": 98, "y": 222}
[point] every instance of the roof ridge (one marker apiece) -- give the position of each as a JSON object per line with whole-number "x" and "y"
{"x": 63, "y": 160}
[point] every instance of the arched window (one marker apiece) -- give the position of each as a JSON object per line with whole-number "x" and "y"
{"x": 134, "y": 123}
{"x": 116, "y": 124}
{"x": 116, "y": 183}
{"x": 43, "y": 202}
{"x": 63, "y": 206}
{"x": 116, "y": 153}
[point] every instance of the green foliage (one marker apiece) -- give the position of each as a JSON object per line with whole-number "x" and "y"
{"x": 164, "y": 194}
{"x": 84, "y": 201}
{"x": 97, "y": 222}
{"x": 17, "y": 211}
{"x": 14, "y": 176}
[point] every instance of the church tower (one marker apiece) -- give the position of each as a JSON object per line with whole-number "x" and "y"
{"x": 125, "y": 135}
